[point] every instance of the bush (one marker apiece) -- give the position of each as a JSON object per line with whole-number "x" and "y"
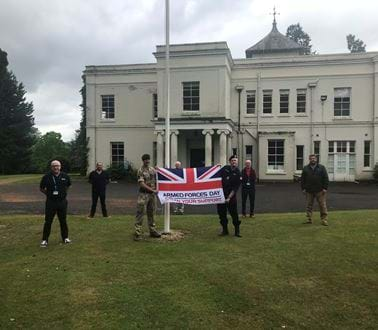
{"x": 125, "y": 171}
{"x": 375, "y": 172}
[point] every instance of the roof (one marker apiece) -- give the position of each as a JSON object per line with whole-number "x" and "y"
{"x": 275, "y": 42}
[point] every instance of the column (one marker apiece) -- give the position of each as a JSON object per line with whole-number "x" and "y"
{"x": 159, "y": 148}
{"x": 229, "y": 144}
{"x": 208, "y": 146}
{"x": 174, "y": 138}
{"x": 223, "y": 145}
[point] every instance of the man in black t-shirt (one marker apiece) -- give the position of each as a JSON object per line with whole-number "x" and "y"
{"x": 99, "y": 180}
{"x": 54, "y": 185}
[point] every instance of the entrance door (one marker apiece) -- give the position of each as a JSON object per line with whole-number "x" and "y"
{"x": 197, "y": 157}
{"x": 341, "y": 160}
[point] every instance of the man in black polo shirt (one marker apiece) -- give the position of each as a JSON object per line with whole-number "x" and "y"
{"x": 230, "y": 183}
{"x": 99, "y": 179}
{"x": 54, "y": 185}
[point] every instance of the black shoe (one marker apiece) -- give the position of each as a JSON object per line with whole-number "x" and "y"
{"x": 224, "y": 231}
{"x": 237, "y": 231}
{"x": 155, "y": 234}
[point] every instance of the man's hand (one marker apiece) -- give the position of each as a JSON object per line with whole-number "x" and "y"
{"x": 227, "y": 200}
{"x": 324, "y": 191}
{"x": 304, "y": 191}
{"x": 154, "y": 191}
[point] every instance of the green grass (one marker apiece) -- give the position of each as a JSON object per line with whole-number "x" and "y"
{"x": 280, "y": 274}
{"x": 30, "y": 178}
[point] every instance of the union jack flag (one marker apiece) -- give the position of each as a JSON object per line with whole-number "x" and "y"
{"x": 199, "y": 185}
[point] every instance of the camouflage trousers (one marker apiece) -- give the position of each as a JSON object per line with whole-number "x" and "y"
{"x": 321, "y": 199}
{"x": 146, "y": 204}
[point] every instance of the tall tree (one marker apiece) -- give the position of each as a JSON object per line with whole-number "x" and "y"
{"x": 17, "y": 132}
{"x": 79, "y": 146}
{"x": 48, "y": 147}
{"x": 355, "y": 45}
{"x": 295, "y": 32}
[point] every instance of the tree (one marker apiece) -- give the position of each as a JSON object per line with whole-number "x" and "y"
{"x": 17, "y": 131}
{"x": 355, "y": 45}
{"x": 295, "y": 32}
{"x": 79, "y": 146}
{"x": 48, "y": 147}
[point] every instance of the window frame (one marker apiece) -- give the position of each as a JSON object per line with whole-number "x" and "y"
{"x": 155, "y": 114}
{"x": 250, "y": 108}
{"x": 284, "y": 93}
{"x": 107, "y": 109}
{"x": 301, "y": 103}
{"x": 368, "y": 155}
{"x": 267, "y": 93}
{"x": 112, "y": 145}
{"x": 190, "y": 88}
{"x": 278, "y": 165}
{"x": 342, "y": 103}
{"x": 297, "y": 158}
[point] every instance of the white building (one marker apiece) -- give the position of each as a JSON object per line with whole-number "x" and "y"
{"x": 276, "y": 106}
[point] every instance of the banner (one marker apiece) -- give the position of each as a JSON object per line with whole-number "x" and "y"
{"x": 196, "y": 186}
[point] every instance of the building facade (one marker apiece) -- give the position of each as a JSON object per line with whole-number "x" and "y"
{"x": 275, "y": 107}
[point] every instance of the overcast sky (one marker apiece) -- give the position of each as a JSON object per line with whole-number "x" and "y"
{"x": 49, "y": 42}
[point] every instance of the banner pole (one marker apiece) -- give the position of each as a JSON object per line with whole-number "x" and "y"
{"x": 167, "y": 219}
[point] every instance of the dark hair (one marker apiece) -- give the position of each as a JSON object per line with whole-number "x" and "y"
{"x": 232, "y": 157}
{"x": 146, "y": 156}
{"x": 312, "y": 155}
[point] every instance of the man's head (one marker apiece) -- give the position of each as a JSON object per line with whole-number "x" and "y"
{"x": 99, "y": 166}
{"x": 313, "y": 159}
{"x": 233, "y": 160}
{"x": 146, "y": 159}
{"x": 55, "y": 166}
{"x": 178, "y": 164}
{"x": 248, "y": 163}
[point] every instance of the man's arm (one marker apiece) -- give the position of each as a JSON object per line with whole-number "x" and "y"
{"x": 42, "y": 185}
{"x": 303, "y": 180}
{"x": 144, "y": 186}
{"x": 325, "y": 179}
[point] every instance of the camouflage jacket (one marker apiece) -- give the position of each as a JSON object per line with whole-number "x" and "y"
{"x": 147, "y": 175}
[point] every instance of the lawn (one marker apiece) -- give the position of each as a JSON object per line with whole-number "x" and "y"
{"x": 30, "y": 178}
{"x": 281, "y": 274}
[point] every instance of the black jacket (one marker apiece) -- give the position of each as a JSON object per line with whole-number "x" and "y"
{"x": 230, "y": 180}
{"x": 248, "y": 182}
{"x": 98, "y": 181}
{"x": 314, "y": 180}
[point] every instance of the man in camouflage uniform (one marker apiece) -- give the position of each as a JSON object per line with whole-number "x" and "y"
{"x": 146, "y": 199}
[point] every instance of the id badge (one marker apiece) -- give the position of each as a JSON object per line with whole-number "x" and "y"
{"x": 55, "y": 192}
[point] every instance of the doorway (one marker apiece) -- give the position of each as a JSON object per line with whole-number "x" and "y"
{"x": 197, "y": 157}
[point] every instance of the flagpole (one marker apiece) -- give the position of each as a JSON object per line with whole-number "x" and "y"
{"x": 167, "y": 219}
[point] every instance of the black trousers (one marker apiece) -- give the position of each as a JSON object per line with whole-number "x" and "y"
{"x": 95, "y": 196}
{"x": 232, "y": 207}
{"x": 53, "y": 207}
{"x": 248, "y": 193}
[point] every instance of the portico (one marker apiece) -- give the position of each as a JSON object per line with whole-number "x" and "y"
{"x": 195, "y": 144}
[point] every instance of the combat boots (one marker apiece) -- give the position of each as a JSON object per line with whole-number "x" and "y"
{"x": 224, "y": 231}
{"x": 237, "y": 231}
{"x": 154, "y": 234}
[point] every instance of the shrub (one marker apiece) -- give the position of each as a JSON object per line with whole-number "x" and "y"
{"x": 125, "y": 171}
{"x": 375, "y": 172}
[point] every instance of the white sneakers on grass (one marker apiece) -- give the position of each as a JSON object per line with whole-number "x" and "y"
{"x": 44, "y": 243}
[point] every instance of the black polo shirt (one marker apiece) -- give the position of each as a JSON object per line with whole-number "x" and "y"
{"x": 56, "y": 185}
{"x": 99, "y": 180}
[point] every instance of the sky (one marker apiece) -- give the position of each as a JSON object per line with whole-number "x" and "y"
{"x": 49, "y": 42}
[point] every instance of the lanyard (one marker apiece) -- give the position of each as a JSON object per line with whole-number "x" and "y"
{"x": 55, "y": 185}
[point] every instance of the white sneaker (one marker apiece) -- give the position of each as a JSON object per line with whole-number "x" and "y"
{"x": 43, "y": 244}
{"x": 67, "y": 241}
